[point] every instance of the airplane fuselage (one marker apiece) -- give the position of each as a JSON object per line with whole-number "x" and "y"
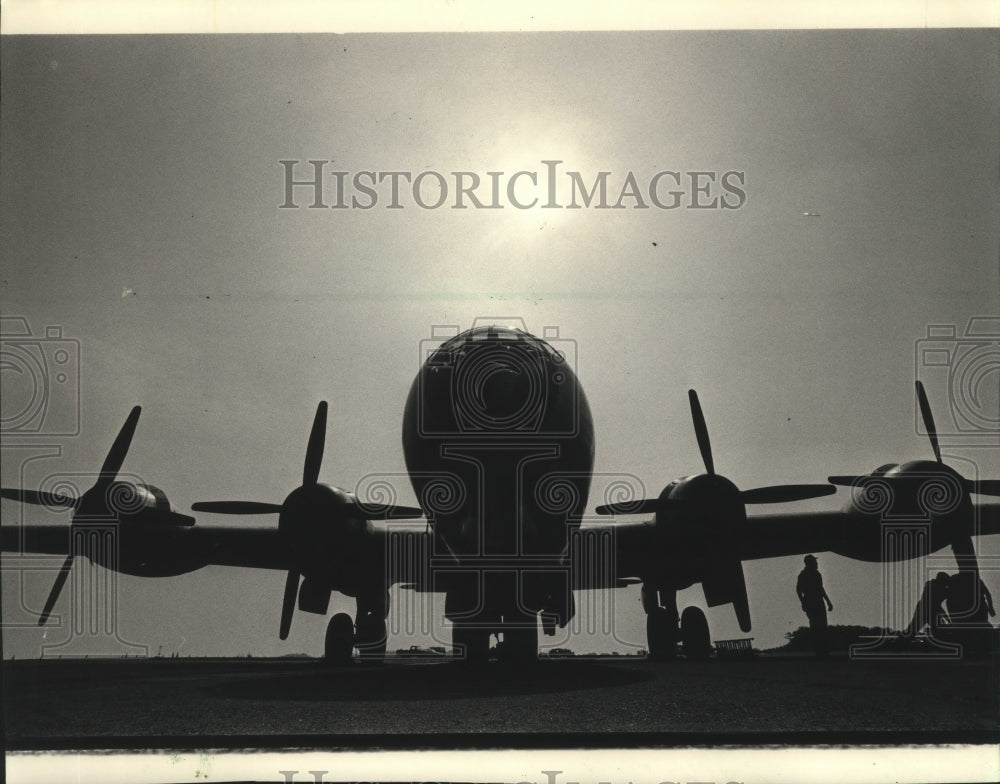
{"x": 499, "y": 444}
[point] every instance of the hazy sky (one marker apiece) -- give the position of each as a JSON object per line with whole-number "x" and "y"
{"x": 141, "y": 194}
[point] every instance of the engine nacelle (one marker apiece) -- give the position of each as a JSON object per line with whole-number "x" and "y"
{"x": 330, "y": 540}
{"x": 923, "y": 500}
{"x": 142, "y": 503}
{"x": 696, "y": 525}
{"x": 695, "y": 535}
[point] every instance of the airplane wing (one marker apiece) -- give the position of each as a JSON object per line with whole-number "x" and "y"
{"x": 609, "y": 556}
{"x": 179, "y": 549}
{"x": 795, "y": 533}
{"x": 637, "y": 550}
{"x": 987, "y": 517}
{"x": 187, "y": 548}
{"x": 35, "y": 539}
{"x": 259, "y": 548}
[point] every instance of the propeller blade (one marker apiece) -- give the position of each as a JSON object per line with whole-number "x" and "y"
{"x": 314, "y": 452}
{"x": 925, "y": 412}
{"x": 288, "y": 603}
{"x": 725, "y": 583}
{"x": 38, "y": 498}
{"x": 387, "y": 512}
{"x": 965, "y": 553}
{"x": 741, "y": 603}
{"x": 779, "y": 494}
{"x": 236, "y": 507}
{"x": 701, "y": 432}
{"x": 848, "y": 481}
{"x": 57, "y": 587}
{"x": 642, "y": 506}
{"x": 116, "y": 455}
{"x": 983, "y": 486}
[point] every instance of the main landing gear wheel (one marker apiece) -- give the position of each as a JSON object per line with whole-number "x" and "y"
{"x": 661, "y": 634}
{"x": 694, "y": 634}
{"x": 339, "y": 639}
{"x": 371, "y": 638}
{"x": 471, "y": 644}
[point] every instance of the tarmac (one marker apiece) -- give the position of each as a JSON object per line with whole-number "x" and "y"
{"x": 613, "y": 702}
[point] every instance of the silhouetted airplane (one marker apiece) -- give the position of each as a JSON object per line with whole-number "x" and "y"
{"x": 499, "y": 446}
{"x": 701, "y": 532}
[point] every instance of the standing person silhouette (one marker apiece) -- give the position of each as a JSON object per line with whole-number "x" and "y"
{"x": 815, "y": 603}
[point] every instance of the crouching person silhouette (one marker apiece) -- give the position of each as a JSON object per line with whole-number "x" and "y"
{"x": 930, "y": 609}
{"x": 970, "y": 606}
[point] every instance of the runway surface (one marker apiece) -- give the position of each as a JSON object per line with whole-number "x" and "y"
{"x": 231, "y": 703}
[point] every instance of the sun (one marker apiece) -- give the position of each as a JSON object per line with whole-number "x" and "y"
{"x": 531, "y": 188}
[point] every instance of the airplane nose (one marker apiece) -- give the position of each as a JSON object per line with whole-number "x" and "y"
{"x": 505, "y": 393}
{"x": 502, "y": 390}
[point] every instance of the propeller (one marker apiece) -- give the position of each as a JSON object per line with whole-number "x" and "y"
{"x": 288, "y": 603}
{"x": 779, "y": 494}
{"x": 725, "y": 582}
{"x": 983, "y": 486}
{"x": 314, "y": 450}
{"x": 93, "y": 503}
{"x": 928, "y": 417}
{"x": 310, "y": 478}
{"x": 308, "y": 500}
{"x": 642, "y": 506}
{"x": 236, "y": 507}
{"x": 774, "y": 494}
{"x": 38, "y": 498}
{"x": 722, "y": 579}
{"x": 701, "y": 432}
{"x": 119, "y": 449}
{"x": 910, "y": 474}
{"x": 978, "y": 486}
{"x": 57, "y": 587}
